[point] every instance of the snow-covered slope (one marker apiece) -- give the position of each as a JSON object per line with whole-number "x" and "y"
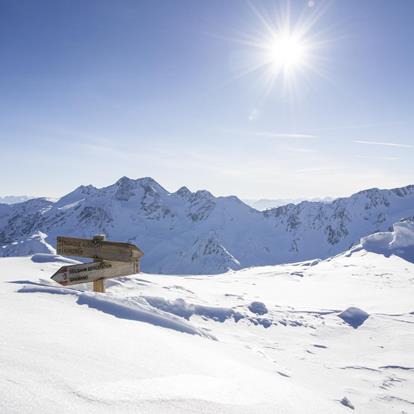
{"x": 33, "y": 244}
{"x": 312, "y": 337}
{"x": 194, "y": 232}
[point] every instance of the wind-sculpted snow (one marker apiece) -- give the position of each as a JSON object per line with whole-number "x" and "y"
{"x": 399, "y": 241}
{"x": 186, "y": 232}
{"x": 186, "y": 310}
{"x": 121, "y": 308}
{"x": 181, "y": 308}
{"x": 50, "y": 258}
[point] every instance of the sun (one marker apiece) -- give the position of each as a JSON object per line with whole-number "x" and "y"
{"x": 287, "y": 52}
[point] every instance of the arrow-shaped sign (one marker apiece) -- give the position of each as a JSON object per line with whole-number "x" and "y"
{"x": 98, "y": 249}
{"x": 90, "y": 272}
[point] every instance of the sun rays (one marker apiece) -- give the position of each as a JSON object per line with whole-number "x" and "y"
{"x": 283, "y": 51}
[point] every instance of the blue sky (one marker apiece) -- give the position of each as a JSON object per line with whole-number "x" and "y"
{"x": 95, "y": 90}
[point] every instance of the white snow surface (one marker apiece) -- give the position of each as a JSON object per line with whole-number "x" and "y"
{"x": 259, "y": 340}
{"x": 186, "y": 232}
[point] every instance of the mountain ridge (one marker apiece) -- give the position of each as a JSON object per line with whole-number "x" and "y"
{"x": 185, "y": 232}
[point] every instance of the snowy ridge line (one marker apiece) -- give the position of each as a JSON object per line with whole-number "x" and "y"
{"x": 122, "y": 308}
{"x": 186, "y": 232}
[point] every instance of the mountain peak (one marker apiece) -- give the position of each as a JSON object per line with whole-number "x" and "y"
{"x": 183, "y": 192}
{"x": 123, "y": 180}
{"x": 127, "y": 187}
{"x": 143, "y": 182}
{"x": 146, "y": 180}
{"x": 203, "y": 194}
{"x": 77, "y": 194}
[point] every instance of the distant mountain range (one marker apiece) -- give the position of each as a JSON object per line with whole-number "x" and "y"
{"x": 188, "y": 232}
{"x": 265, "y": 203}
{"x": 14, "y": 199}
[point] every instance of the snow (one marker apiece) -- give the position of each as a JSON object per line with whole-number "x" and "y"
{"x": 47, "y": 257}
{"x": 34, "y": 244}
{"x": 181, "y": 308}
{"x": 258, "y": 307}
{"x": 354, "y": 316}
{"x": 121, "y": 308}
{"x": 399, "y": 241}
{"x": 185, "y": 344}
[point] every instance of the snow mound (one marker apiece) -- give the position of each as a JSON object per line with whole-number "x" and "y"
{"x": 354, "y": 316}
{"x": 259, "y": 308}
{"x": 181, "y": 308}
{"x": 122, "y": 308}
{"x": 398, "y": 242}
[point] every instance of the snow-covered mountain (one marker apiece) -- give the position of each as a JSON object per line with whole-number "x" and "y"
{"x": 194, "y": 232}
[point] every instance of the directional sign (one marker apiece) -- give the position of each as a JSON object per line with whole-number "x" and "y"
{"x": 90, "y": 272}
{"x": 112, "y": 259}
{"x": 98, "y": 249}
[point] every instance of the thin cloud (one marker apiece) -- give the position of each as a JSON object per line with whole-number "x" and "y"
{"x": 283, "y": 135}
{"x": 385, "y": 144}
{"x": 269, "y": 134}
{"x": 302, "y": 150}
{"x": 318, "y": 170}
{"x": 344, "y": 127}
{"x": 370, "y": 157}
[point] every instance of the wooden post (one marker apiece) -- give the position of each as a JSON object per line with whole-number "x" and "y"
{"x": 98, "y": 285}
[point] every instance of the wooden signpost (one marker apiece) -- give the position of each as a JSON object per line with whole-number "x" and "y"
{"x": 111, "y": 259}
{"x": 98, "y": 248}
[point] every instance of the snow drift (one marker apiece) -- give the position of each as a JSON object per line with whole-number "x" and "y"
{"x": 399, "y": 241}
